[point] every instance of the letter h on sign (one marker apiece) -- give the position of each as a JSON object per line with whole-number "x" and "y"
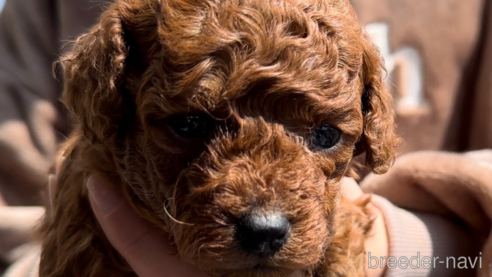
{"x": 406, "y": 61}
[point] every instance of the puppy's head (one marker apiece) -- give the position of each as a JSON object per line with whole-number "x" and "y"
{"x": 232, "y": 122}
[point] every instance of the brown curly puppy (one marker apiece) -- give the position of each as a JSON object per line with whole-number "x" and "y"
{"x": 229, "y": 125}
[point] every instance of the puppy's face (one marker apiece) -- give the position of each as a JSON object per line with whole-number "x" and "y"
{"x": 231, "y": 122}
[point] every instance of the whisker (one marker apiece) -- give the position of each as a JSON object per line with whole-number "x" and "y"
{"x": 173, "y": 218}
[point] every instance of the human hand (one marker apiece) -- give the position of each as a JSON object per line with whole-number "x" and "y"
{"x": 147, "y": 252}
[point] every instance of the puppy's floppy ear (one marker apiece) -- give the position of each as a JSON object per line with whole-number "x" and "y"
{"x": 92, "y": 74}
{"x": 95, "y": 70}
{"x": 378, "y": 139}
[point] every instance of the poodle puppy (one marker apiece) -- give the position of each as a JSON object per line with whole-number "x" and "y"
{"x": 229, "y": 125}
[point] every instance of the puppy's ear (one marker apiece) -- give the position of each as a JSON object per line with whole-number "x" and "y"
{"x": 95, "y": 71}
{"x": 378, "y": 139}
{"x": 92, "y": 73}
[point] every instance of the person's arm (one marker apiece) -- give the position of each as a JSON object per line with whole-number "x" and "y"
{"x": 437, "y": 204}
{"x": 28, "y": 95}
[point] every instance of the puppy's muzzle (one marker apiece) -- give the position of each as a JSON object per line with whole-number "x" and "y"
{"x": 263, "y": 234}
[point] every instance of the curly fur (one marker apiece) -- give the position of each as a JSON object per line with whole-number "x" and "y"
{"x": 268, "y": 72}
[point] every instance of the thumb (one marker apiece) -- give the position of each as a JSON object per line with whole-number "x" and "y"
{"x": 148, "y": 252}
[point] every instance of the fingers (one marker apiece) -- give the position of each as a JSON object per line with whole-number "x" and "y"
{"x": 59, "y": 162}
{"x": 350, "y": 189}
{"x": 148, "y": 252}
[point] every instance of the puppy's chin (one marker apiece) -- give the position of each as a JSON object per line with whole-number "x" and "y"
{"x": 231, "y": 261}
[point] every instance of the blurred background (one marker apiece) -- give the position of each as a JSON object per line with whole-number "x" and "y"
{"x": 1, "y": 4}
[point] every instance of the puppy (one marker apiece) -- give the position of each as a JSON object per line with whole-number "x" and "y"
{"x": 228, "y": 125}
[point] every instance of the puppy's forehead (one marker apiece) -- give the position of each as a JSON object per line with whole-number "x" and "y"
{"x": 233, "y": 44}
{"x": 260, "y": 55}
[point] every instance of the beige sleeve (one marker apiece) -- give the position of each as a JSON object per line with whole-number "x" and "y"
{"x": 452, "y": 187}
{"x": 423, "y": 244}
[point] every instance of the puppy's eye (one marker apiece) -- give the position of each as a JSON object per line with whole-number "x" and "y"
{"x": 191, "y": 126}
{"x": 325, "y": 136}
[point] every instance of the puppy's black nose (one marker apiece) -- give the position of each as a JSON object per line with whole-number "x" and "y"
{"x": 262, "y": 234}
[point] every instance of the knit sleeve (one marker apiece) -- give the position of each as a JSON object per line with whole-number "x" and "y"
{"x": 424, "y": 244}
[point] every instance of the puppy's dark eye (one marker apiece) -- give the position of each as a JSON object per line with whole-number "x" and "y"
{"x": 325, "y": 136}
{"x": 191, "y": 126}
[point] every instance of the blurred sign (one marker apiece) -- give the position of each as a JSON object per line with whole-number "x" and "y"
{"x": 404, "y": 67}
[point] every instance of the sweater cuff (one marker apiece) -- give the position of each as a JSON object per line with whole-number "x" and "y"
{"x": 424, "y": 244}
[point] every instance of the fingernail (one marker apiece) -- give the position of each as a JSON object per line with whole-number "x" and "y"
{"x": 105, "y": 198}
{"x": 59, "y": 163}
